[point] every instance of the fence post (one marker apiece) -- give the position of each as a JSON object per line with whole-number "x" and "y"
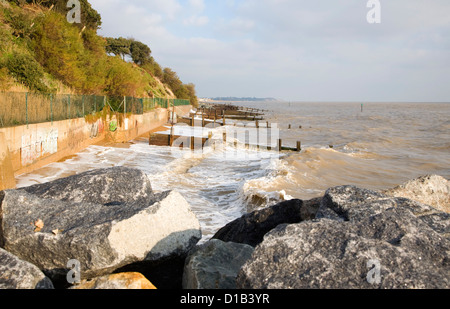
{"x": 51, "y": 108}
{"x": 68, "y": 107}
{"x": 124, "y": 105}
{"x": 26, "y": 107}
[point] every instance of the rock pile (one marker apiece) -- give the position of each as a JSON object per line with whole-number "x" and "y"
{"x": 360, "y": 239}
{"x": 349, "y": 238}
{"x": 104, "y": 220}
{"x": 120, "y": 234}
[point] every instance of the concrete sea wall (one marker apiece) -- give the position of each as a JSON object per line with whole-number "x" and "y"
{"x": 26, "y": 148}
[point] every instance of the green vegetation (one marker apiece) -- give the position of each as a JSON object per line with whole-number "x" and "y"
{"x": 25, "y": 69}
{"x": 42, "y": 52}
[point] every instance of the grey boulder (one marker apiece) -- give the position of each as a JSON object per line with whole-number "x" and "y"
{"x": 116, "y": 185}
{"x": 251, "y": 228}
{"x": 18, "y": 274}
{"x": 433, "y": 190}
{"x": 363, "y": 239}
{"x": 103, "y": 231}
{"x": 215, "y": 265}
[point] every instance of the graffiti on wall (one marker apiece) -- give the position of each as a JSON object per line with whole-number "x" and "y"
{"x": 38, "y": 144}
{"x": 96, "y": 129}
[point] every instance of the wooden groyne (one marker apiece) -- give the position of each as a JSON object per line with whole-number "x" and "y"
{"x": 218, "y": 111}
{"x": 207, "y": 118}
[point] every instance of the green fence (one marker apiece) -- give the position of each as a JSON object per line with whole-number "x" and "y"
{"x": 20, "y": 108}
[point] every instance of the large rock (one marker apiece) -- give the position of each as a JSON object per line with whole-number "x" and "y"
{"x": 18, "y": 274}
{"x": 350, "y": 203}
{"x": 215, "y": 265}
{"x": 433, "y": 190}
{"x": 251, "y": 228}
{"x": 363, "y": 240}
{"x": 103, "y": 231}
{"x": 116, "y": 185}
{"x": 338, "y": 201}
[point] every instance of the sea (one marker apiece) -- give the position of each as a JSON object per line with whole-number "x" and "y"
{"x": 370, "y": 145}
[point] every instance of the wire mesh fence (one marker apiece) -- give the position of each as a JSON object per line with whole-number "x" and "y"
{"x": 23, "y": 108}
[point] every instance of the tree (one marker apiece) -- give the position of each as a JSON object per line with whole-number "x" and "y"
{"x": 171, "y": 79}
{"x": 119, "y": 47}
{"x": 89, "y": 16}
{"x": 140, "y": 53}
{"x": 192, "y": 94}
{"x": 180, "y": 90}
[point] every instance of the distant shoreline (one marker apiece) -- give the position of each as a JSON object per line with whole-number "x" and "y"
{"x": 238, "y": 99}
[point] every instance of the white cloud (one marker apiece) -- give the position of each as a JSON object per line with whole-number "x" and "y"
{"x": 198, "y": 5}
{"x": 310, "y": 49}
{"x": 196, "y": 21}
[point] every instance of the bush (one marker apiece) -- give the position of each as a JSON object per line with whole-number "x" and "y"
{"x": 19, "y": 21}
{"x": 25, "y": 69}
{"x": 59, "y": 48}
{"x": 94, "y": 63}
{"x": 123, "y": 79}
{"x": 89, "y": 16}
{"x": 153, "y": 68}
{"x": 4, "y": 79}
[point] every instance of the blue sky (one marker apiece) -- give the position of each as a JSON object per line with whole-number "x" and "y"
{"x": 295, "y": 50}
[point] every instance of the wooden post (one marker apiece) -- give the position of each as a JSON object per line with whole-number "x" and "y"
{"x": 171, "y": 137}
{"x": 224, "y": 136}
{"x": 289, "y": 127}
{"x": 299, "y": 146}
{"x": 247, "y": 139}
{"x": 257, "y": 124}
{"x": 280, "y": 145}
{"x": 192, "y": 142}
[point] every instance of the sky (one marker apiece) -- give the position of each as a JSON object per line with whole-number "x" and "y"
{"x": 295, "y": 50}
